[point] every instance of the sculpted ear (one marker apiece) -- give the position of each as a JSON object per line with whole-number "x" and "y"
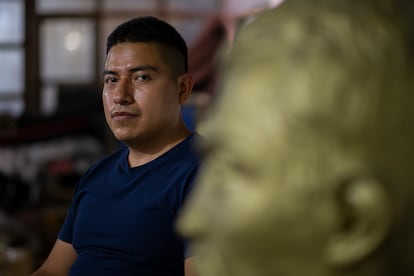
{"x": 366, "y": 211}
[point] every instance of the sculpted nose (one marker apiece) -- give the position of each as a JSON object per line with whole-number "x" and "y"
{"x": 193, "y": 220}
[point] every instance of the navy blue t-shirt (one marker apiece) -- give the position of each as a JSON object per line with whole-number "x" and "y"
{"x": 121, "y": 220}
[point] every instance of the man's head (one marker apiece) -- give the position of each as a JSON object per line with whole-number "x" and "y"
{"x": 146, "y": 83}
{"x": 150, "y": 29}
{"x": 309, "y": 150}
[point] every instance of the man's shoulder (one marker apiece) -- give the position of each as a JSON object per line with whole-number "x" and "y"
{"x": 189, "y": 148}
{"x": 110, "y": 159}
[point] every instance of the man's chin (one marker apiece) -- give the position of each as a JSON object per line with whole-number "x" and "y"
{"x": 125, "y": 136}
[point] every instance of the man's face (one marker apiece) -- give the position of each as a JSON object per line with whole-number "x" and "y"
{"x": 140, "y": 94}
{"x": 254, "y": 210}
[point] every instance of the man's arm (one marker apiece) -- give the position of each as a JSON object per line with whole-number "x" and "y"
{"x": 59, "y": 261}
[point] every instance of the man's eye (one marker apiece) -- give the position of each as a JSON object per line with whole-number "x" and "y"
{"x": 143, "y": 78}
{"x": 110, "y": 80}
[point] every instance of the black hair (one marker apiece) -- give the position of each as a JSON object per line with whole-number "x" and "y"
{"x": 149, "y": 29}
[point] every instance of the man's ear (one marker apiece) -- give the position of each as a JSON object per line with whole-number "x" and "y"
{"x": 365, "y": 206}
{"x": 185, "y": 87}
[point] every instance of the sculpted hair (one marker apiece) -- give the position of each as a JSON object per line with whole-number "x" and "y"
{"x": 150, "y": 29}
{"x": 347, "y": 58}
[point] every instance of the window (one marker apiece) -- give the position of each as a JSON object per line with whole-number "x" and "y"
{"x": 12, "y": 57}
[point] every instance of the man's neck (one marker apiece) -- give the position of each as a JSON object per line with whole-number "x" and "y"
{"x": 143, "y": 152}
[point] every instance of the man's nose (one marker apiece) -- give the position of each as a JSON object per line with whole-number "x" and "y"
{"x": 124, "y": 92}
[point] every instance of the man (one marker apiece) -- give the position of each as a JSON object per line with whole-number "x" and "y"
{"x": 309, "y": 149}
{"x": 123, "y": 211}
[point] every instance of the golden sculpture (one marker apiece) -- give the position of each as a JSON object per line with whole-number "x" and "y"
{"x": 310, "y": 147}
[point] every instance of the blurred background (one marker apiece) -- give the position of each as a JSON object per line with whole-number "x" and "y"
{"x": 51, "y": 123}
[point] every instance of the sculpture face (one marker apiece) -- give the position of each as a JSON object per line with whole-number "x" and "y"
{"x": 257, "y": 190}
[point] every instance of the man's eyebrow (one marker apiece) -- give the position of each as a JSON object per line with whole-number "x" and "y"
{"x": 108, "y": 72}
{"x": 146, "y": 67}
